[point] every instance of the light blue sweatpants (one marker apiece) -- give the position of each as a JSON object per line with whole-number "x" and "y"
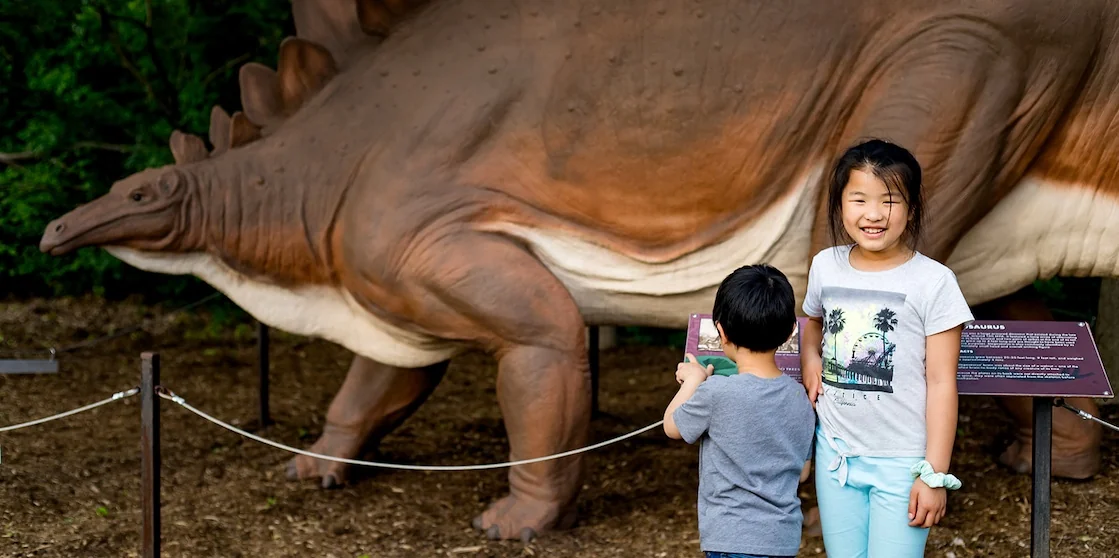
{"x": 868, "y": 517}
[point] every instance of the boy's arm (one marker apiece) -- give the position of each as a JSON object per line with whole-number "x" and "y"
{"x": 687, "y": 389}
{"x": 690, "y": 375}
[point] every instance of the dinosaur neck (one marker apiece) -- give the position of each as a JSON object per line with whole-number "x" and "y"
{"x": 269, "y": 221}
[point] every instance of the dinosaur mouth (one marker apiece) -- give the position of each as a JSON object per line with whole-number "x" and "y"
{"x": 55, "y": 244}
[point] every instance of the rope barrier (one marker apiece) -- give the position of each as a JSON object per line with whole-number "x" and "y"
{"x": 116, "y": 397}
{"x": 90, "y": 342}
{"x": 169, "y": 395}
{"x": 1084, "y": 414}
{"x": 166, "y": 394}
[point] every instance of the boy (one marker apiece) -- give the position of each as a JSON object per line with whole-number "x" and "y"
{"x": 754, "y": 428}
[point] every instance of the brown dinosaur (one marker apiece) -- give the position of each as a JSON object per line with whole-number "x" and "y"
{"x": 416, "y": 180}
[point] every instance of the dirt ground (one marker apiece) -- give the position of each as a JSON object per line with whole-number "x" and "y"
{"x": 70, "y": 488}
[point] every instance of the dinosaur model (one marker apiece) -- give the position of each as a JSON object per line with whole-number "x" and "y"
{"x": 414, "y": 180}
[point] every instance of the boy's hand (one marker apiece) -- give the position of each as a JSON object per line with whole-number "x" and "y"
{"x": 813, "y": 382}
{"x": 691, "y": 369}
{"x": 926, "y": 505}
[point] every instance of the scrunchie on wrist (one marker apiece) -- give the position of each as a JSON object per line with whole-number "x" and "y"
{"x": 924, "y": 470}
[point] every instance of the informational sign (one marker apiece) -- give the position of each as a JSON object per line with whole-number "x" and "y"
{"x": 1028, "y": 358}
{"x": 1040, "y": 358}
{"x": 28, "y": 366}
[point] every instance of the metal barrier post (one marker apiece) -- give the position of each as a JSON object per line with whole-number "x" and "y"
{"x": 149, "y": 451}
{"x": 592, "y": 360}
{"x": 262, "y": 370}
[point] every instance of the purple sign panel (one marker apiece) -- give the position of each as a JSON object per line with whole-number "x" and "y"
{"x": 703, "y": 340}
{"x": 1029, "y": 358}
{"x": 1055, "y": 359}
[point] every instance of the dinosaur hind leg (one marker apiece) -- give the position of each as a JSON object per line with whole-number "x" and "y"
{"x": 374, "y": 399}
{"x": 1076, "y": 442}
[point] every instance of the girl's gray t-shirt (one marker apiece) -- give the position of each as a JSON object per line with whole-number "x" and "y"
{"x": 754, "y": 435}
{"x": 875, "y": 327}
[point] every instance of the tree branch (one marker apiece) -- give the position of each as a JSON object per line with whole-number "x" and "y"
{"x": 13, "y": 158}
{"x": 9, "y": 158}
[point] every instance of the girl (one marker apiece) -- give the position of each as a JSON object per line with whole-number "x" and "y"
{"x": 881, "y": 347}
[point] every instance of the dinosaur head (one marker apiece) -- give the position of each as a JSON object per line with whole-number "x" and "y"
{"x": 147, "y": 211}
{"x": 142, "y": 211}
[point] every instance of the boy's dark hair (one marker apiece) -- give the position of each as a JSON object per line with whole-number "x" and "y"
{"x": 755, "y": 306}
{"x": 895, "y": 166}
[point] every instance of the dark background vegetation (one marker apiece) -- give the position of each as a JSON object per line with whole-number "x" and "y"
{"x": 90, "y": 90}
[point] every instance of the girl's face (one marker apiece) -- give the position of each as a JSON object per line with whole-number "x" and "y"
{"x": 874, "y": 217}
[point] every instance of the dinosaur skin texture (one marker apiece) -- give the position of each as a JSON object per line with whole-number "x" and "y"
{"x": 415, "y": 179}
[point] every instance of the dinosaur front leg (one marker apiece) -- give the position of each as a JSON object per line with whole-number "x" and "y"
{"x": 374, "y": 399}
{"x": 544, "y": 399}
{"x": 487, "y": 290}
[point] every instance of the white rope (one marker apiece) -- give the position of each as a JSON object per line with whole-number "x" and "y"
{"x": 1086, "y": 415}
{"x": 116, "y": 396}
{"x": 181, "y": 401}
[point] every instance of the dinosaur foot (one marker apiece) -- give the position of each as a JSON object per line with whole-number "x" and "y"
{"x": 1079, "y": 465}
{"x": 335, "y": 443}
{"x": 515, "y": 517}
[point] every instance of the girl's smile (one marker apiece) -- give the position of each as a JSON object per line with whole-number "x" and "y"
{"x": 874, "y": 217}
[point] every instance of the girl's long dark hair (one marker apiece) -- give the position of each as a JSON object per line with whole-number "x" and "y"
{"x": 895, "y": 166}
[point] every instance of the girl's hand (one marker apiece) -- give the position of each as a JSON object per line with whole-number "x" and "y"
{"x": 812, "y": 376}
{"x": 692, "y": 369}
{"x": 926, "y": 505}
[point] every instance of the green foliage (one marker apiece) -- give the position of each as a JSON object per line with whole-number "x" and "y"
{"x": 90, "y": 91}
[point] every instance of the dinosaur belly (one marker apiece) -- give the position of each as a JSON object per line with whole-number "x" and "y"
{"x": 613, "y": 288}
{"x": 315, "y": 311}
{"x": 1041, "y": 230}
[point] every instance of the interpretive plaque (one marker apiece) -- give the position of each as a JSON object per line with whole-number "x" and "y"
{"x": 1028, "y": 358}
{"x": 1035, "y": 358}
{"x": 703, "y": 341}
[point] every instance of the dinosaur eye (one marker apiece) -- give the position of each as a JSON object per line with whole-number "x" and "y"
{"x": 137, "y": 196}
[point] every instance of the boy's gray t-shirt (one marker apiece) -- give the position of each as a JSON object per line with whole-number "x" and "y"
{"x": 873, "y": 347}
{"x": 754, "y": 436}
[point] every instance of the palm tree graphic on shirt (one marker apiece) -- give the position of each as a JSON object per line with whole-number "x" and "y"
{"x": 868, "y": 365}
{"x": 885, "y": 321}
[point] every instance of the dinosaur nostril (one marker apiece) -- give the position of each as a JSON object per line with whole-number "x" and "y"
{"x": 59, "y": 227}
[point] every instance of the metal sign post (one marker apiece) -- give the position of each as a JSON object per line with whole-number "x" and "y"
{"x": 1041, "y": 503}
